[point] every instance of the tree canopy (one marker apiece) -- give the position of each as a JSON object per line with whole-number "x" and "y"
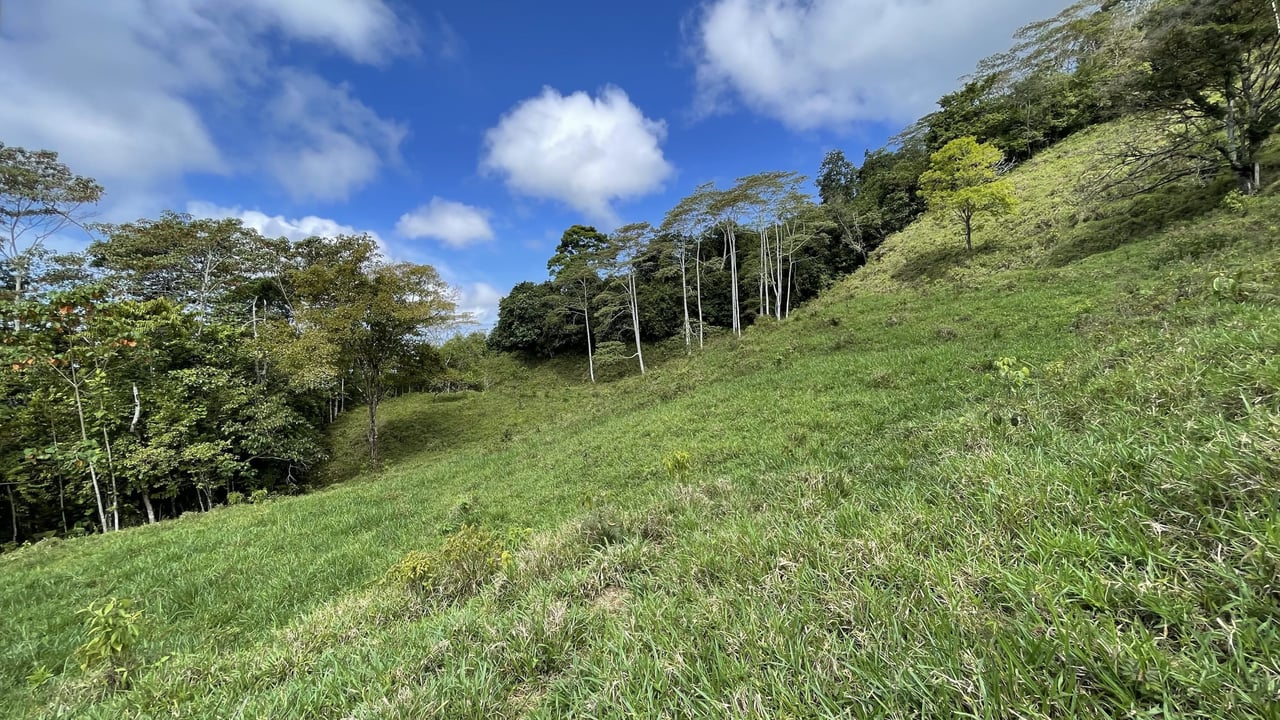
{"x": 964, "y": 182}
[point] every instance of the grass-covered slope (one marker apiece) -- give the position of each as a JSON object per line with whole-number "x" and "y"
{"x": 876, "y": 519}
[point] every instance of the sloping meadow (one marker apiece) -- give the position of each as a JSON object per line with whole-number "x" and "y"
{"x": 1041, "y": 481}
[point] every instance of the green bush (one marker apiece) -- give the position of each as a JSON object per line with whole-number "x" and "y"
{"x": 603, "y": 527}
{"x": 460, "y": 567}
{"x": 112, "y": 628}
{"x": 259, "y": 496}
{"x": 235, "y": 498}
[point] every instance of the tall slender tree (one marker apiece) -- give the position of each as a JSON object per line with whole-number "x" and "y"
{"x": 575, "y": 270}
{"x": 628, "y": 245}
{"x": 39, "y": 198}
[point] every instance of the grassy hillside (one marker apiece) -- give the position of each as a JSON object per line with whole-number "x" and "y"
{"x": 878, "y": 516}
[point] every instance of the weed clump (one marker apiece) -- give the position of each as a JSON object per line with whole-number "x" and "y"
{"x": 676, "y": 464}
{"x": 603, "y": 527}
{"x": 460, "y": 567}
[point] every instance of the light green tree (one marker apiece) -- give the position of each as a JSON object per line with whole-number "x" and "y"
{"x": 963, "y": 181}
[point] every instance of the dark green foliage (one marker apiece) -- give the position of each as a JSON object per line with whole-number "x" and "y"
{"x": 182, "y": 363}
{"x": 1215, "y": 64}
{"x": 531, "y": 323}
{"x": 836, "y": 176}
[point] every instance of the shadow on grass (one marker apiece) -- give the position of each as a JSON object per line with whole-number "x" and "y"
{"x": 935, "y": 264}
{"x": 408, "y": 427}
{"x": 1113, "y": 224}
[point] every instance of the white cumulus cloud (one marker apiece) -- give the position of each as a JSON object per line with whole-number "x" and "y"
{"x": 453, "y": 223}
{"x": 329, "y": 143}
{"x": 277, "y": 225}
{"x": 585, "y": 151}
{"x": 480, "y": 301}
{"x": 137, "y": 93}
{"x": 828, "y": 63}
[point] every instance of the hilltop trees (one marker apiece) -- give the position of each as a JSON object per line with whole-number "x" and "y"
{"x": 632, "y": 274}
{"x": 39, "y": 197}
{"x": 1214, "y": 65}
{"x": 962, "y": 181}
{"x": 837, "y": 178}
{"x": 685, "y": 224}
{"x": 359, "y": 315}
{"x": 197, "y": 263}
{"x": 626, "y": 250}
{"x": 531, "y": 322}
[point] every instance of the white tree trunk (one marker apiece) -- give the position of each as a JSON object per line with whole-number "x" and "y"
{"x": 779, "y": 286}
{"x": 684, "y": 296}
{"x": 111, "y": 473}
{"x": 84, "y": 437}
{"x": 586, "y": 320}
{"x": 146, "y": 503}
{"x": 635, "y": 317}
{"x": 697, "y": 266}
{"x": 733, "y": 279}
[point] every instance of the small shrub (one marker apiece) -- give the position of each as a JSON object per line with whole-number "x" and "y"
{"x": 1235, "y": 202}
{"x": 1012, "y": 372}
{"x": 259, "y": 496}
{"x": 461, "y": 566}
{"x": 113, "y": 628}
{"x": 676, "y": 464}
{"x": 1227, "y": 288}
{"x": 235, "y": 498}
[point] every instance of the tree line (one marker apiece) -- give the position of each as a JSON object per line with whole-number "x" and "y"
{"x": 1206, "y": 73}
{"x": 181, "y": 363}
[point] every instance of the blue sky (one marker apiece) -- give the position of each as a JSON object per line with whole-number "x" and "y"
{"x": 468, "y": 134}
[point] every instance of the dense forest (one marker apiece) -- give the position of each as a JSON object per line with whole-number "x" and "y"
{"x": 178, "y": 364}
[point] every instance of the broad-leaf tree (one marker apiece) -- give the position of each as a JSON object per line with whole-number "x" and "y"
{"x": 364, "y": 316}
{"x": 963, "y": 181}
{"x": 39, "y": 198}
{"x": 1215, "y": 66}
{"x": 195, "y": 262}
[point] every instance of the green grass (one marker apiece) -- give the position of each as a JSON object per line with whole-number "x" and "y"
{"x": 874, "y": 522}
